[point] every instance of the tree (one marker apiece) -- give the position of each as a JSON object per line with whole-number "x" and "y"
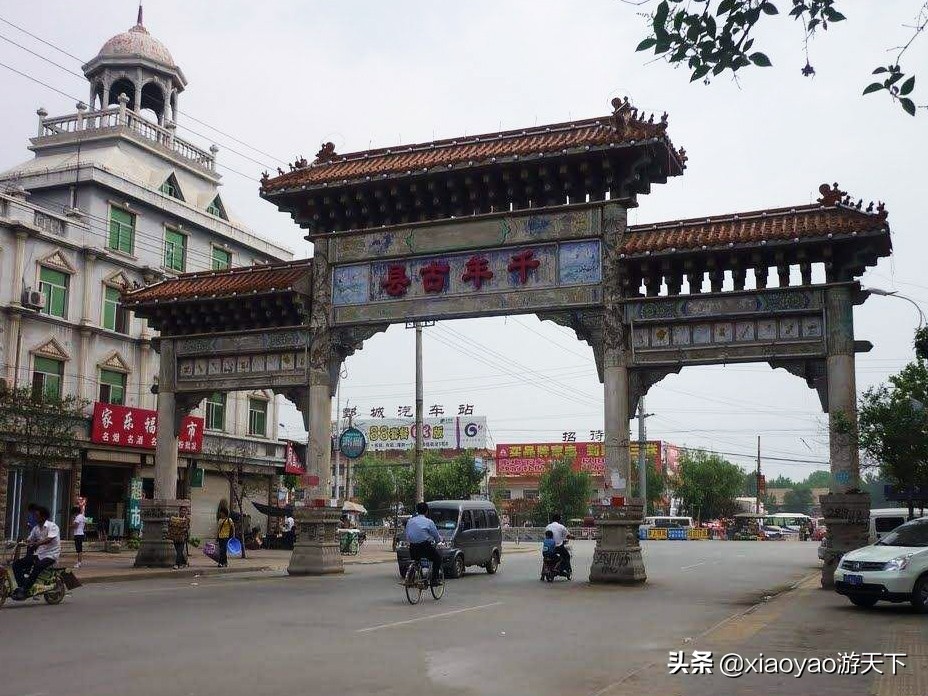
{"x": 37, "y": 429}
{"x": 563, "y": 490}
{"x": 892, "y": 428}
{"x": 383, "y": 485}
{"x": 781, "y": 481}
{"x": 658, "y": 484}
{"x": 455, "y": 479}
{"x": 231, "y": 459}
{"x": 708, "y": 484}
{"x": 718, "y": 36}
{"x": 798, "y": 499}
{"x": 819, "y": 479}
{"x": 771, "y": 504}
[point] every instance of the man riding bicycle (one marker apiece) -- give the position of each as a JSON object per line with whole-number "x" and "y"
{"x": 45, "y": 539}
{"x": 422, "y": 535}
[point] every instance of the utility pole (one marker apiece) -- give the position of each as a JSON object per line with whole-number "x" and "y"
{"x": 420, "y": 483}
{"x": 642, "y": 454}
{"x": 757, "y": 481}
{"x": 348, "y": 462}
{"x": 420, "y": 478}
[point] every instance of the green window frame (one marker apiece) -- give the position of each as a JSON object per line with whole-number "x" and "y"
{"x": 122, "y": 230}
{"x": 112, "y": 387}
{"x": 47, "y": 377}
{"x": 115, "y": 316}
{"x": 175, "y": 250}
{"x": 171, "y": 188}
{"x": 257, "y": 417}
{"x": 215, "y": 208}
{"x": 222, "y": 259}
{"x": 216, "y": 411}
{"x": 55, "y": 285}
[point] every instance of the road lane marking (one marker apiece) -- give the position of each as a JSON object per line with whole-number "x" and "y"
{"x": 693, "y": 566}
{"x": 427, "y": 618}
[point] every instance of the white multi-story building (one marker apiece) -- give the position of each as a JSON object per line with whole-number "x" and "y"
{"x": 113, "y": 198}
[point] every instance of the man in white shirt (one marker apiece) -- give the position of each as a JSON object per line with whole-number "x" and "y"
{"x": 78, "y": 522}
{"x": 289, "y": 533}
{"x": 45, "y": 538}
{"x": 560, "y": 534}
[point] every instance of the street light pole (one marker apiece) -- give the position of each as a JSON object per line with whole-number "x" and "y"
{"x": 894, "y": 293}
{"x": 420, "y": 476}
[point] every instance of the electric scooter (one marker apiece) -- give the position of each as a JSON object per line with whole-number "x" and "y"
{"x": 50, "y": 585}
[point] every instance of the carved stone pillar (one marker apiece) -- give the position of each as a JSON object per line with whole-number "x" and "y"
{"x": 617, "y": 557}
{"x": 848, "y": 508}
{"x": 316, "y": 550}
{"x": 155, "y": 549}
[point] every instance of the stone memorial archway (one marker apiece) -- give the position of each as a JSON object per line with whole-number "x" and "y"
{"x": 534, "y": 221}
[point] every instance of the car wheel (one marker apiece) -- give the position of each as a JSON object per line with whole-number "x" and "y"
{"x": 920, "y": 595}
{"x": 457, "y": 567}
{"x": 493, "y": 565}
{"x": 866, "y": 601}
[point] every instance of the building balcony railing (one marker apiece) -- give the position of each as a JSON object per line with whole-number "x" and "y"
{"x": 116, "y": 117}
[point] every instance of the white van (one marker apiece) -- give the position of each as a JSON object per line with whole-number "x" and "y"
{"x": 882, "y": 522}
{"x": 885, "y": 520}
{"x": 663, "y": 522}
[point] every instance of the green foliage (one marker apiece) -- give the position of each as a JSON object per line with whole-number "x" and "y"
{"x": 819, "y": 479}
{"x": 291, "y": 482}
{"x": 382, "y": 484}
{"x": 798, "y": 499}
{"x": 563, "y": 490}
{"x": 708, "y": 484}
{"x": 455, "y": 479}
{"x": 781, "y": 481}
{"x": 712, "y": 37}
{"x": 40, "y": 428}
{"x": 658, "y": 484}
{"x": 771, "y": 504}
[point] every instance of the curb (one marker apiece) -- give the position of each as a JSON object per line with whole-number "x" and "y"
{"x": 155, "y": 574}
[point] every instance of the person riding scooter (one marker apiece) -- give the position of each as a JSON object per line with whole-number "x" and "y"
{"x": 560, "y": 534}
{"x": 45, "y": 540}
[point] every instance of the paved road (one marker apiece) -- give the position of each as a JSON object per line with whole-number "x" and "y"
{"x": 267, "y": 635}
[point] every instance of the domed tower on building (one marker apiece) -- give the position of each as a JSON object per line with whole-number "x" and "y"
{"x": 136, "y": 64}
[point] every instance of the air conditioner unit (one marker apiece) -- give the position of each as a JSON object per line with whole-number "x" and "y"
{"x": 33, "y": 299}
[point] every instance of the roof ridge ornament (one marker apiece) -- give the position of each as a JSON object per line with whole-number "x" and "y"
{"x": 326, "y": 153}
{"x": 834, "y": 196}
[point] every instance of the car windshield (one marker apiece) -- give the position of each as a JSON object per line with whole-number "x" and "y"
{"x": 444, "y": 518}
{"x": 914, "y": 533}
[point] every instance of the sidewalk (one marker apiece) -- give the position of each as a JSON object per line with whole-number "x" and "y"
{"x": 117, "y": 567}
{"x": 803, "y": 623}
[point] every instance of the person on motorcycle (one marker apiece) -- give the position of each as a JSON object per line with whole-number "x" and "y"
{"x": 560, "y": 534}
{"x": 45, "y": 541}
{"x": 422, "y": 536}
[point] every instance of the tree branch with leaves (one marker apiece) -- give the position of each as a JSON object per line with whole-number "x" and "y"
{"x": 713, "y": 37}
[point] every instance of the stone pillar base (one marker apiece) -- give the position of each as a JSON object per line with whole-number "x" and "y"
{"x": 847, "y": 518}
{"x": 155, "y": 549}
{"x": 617, "y": 558}
{"x": 316, "y": 551}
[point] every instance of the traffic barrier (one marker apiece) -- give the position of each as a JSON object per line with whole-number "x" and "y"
{"x": 657, "y": 533}
{"x": 697, "y": 533}
{"x": 676, "y": 534}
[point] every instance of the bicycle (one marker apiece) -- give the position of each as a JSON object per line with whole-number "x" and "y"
{"x": 417, "y": 580}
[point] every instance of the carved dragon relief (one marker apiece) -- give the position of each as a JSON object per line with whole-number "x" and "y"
{"x": 588, "y": 327}
{"x": 640, "y": 380}
{"x": 184, "y": 403}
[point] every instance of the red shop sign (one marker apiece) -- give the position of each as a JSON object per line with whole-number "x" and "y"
{"x": 292, "y": 464}
{"x": 138, "y": 427}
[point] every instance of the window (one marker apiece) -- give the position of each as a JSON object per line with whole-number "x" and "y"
{"x": 55, "y": 286}
{"x": 257, "y": 417}
{"x": 171, "y": 188}
{"x": 222, "y": 259}
{"x": 216, "y": 411}
{"x": 216, "y": 208}
{"x": 467, "y": 521}
{"x": 122, "y": 230}
{"x": 505, "y": 494}
{"x": 480, "y": 519}
{"x": 175, "y": 250}
{"x": 530, "y": 494}
{"x": 112, "y": 387}
{"x": 115, "y": 316}
{"x": 492, "y": 519}
{"x": 47, "y": 376}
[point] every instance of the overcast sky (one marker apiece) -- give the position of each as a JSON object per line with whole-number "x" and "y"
{"x": 284, "y": 76}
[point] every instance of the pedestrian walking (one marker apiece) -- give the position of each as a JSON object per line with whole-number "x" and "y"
{"x": 289, "y": 531}
{"x": 224, "y": 530}
{"x": 77, "y": 530}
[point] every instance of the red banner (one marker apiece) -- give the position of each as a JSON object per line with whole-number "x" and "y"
{"x": 138, "y": 427}
{"x": 292, "y": 464}
{"x": 533, "y": 459}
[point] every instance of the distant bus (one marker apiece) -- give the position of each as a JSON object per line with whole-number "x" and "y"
{"x": 663, "y": 522}
{"x": 788, "y": 521}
